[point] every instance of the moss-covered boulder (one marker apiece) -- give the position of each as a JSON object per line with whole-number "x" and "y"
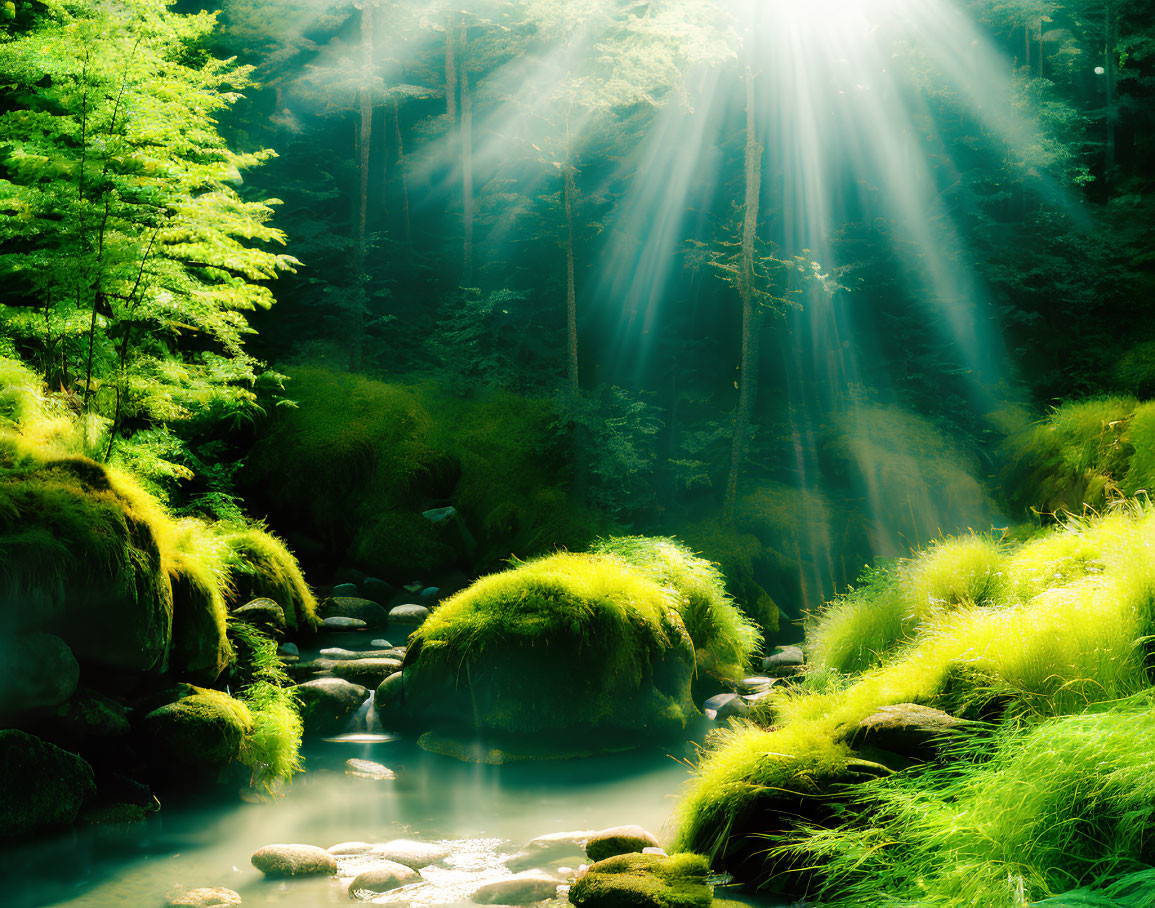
{"x": 86, "y": 557}
{"x": 644, "y": 881}
{"x": 260, "y": 566}
{"x": 37, "y": 671}
{"x": 724, "y": 638}
{"x": 200, "y": 646}
{"x": 41, "y": 786}
{"x": 568, "y": 646}
{"x": 203, "y": 730}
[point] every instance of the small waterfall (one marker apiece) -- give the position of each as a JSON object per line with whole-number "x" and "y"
{"x": 365, "y": 726}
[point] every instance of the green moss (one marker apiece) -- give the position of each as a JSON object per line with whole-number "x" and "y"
{"x": 724, "y": 639}
{"x": 261, "y": 565}
{"x": 601, "y": 646}
{"x": 203, "y": 729}
{"x": 857, "y": 630}
{"x": 86, "y": 555}
{"x": 401, "y": 543}
{"x": 271, "y": 747}
{"x": 200, "y": 646}
{"x": 1140, "y": 475}
{"x": 644, "y": 881}
{"x": 1046, "y": 809}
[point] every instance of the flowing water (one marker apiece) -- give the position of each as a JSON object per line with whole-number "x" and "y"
{"x": 433, "y": 798}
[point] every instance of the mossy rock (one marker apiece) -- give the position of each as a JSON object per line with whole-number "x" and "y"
{"x": 86, "y": 558}
{"x": 41, "y": 786}
{"x": 644, "y": 881}
{"x": 601, "y": 647}
{"x": 37, "y": 672}
{"x": 260, "y": 566}
{"x": 203, "y": 729}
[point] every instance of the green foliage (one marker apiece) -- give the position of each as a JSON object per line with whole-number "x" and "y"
{"x": 742, "y": 559}
{"x": 1075, "y": 458}
{"x": 858, "y": 629}
{"x": 271, "y": 748}
{"x": 601, "y": 646}
{"x": 724, "y": 639}
{"x": 130, "y": 258}
{"x": 1135, "y": 371}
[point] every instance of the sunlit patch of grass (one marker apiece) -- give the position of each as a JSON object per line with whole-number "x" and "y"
{"x": 1057, "y": 627}
{"x": 1036, "y": 811}
{"x": 259, "y": 564}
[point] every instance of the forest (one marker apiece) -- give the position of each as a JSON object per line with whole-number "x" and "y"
{"x": 399, "y": 394}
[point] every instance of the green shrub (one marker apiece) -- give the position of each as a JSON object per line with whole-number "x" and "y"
{"x": 724, "y": 639}
{"x": 744, "y": 560}
{"x": 1134, "y": 372}
{"x": 602, "y": 648}
{"x": 857, "y": 630}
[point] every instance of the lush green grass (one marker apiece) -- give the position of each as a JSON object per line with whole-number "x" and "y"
{"x": 1077, "y": 457}
{"x": 1047, "y": 637}
{"x": 600, "y": 645}
{"x": 1035, "y": 812}
{"x": 724, "y": 639}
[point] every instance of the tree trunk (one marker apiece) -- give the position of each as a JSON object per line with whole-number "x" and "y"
{"x": 571, "y": 369}
{"x": 451, "y": 67}
{"x": 408, "y": 226}
{"x": 467, "y": 177}
{"x": 1111, "y": 114}
{"x": 751, "y": 315}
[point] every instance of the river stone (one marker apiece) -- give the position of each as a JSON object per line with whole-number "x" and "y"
{"x": 345, "y": 589}
{"x": 784, "y": 660}
{"x": 619, "y": 840}
{"x": 409, "y": 613}
{"x": 369, "y": 672}
{"x": 37, "y": 671}
{"x": 203, "y": 730}
{"x": 376, "y": 589}
{"x": 216, "y": 897}
{"x": 411, "y": 853}
{"x": 907, "y": 729}
{"x": 288, "y": 649}
{"x": 337, "y": 654}
{"x": 381, "y": 643}
{"x": 327, "y": 704}
{"x": 519, "y": 889}
{"x": 294, "y": 860}
{"x": 263, "y": 613}
{"x": 644, "y": 881}
{"x": 343, "y": 624}
{"x": 756, "y": 684}
{"x": 725, "y": 706}
{"x": 354, "y": 607}
{"x": 382, "y": 878}
{"x": 41, "y": 786}
{"x": 367, "y": 769}
{"x": 349, "y": 848}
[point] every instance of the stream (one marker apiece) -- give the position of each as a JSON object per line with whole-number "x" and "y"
{"x": 484, "y": 813}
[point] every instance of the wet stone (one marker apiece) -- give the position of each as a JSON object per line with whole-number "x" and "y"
{"x": 619, "y": 840}
{"x": 294, "y": 860}
{"x": 382, "y": 878}
{"x": 412, "y": 853}
{"x": 409, "y": 613}
{"x": 343, "y": 624}
{"x": 215, "y": 897}
{"x": 367, "y": 769}
{"x": 343, "y": 849}
{"x": 519, "y": 889}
